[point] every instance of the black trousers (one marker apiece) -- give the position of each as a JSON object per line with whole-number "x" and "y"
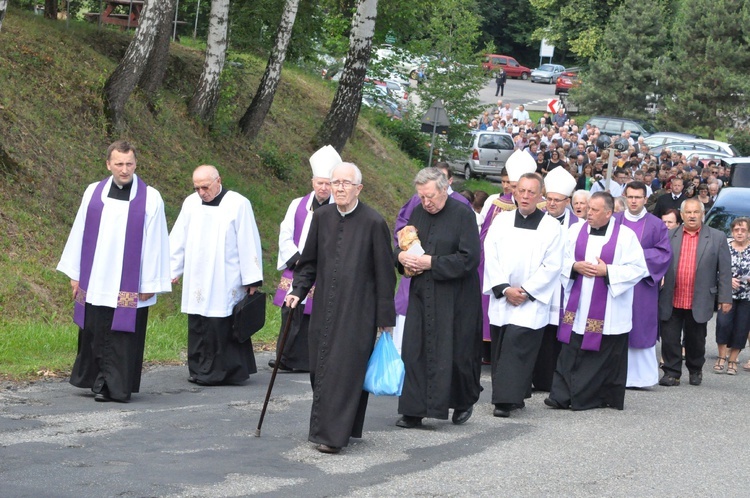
{"x": 682, "y": 325}
{"x": 514, "y": 352}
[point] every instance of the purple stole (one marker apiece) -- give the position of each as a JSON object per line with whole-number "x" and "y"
{"x": 127, "y": 299}
{"x": 592, "y": 336}
{"x": 288, "y": 275}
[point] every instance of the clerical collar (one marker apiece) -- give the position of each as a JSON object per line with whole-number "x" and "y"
{"x": 316, "y": 204}
{"x": 599, "y": 231}
{"x": 561, "y": 218}
{"x": 530, "y": 222}
{"x": 216, "y": 200}
{"x": 350, "y": 211}
{"x": 120, "y": 193}
{"x": 635, "y": 217}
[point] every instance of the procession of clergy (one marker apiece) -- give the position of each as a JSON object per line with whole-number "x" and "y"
{"x": 553, "y": 296}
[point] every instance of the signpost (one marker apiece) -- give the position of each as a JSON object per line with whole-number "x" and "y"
{"x": 435, "y": 121}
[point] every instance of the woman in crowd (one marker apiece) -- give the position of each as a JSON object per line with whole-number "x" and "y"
{"x": 584, "y": 181}
{"x": 732, "y": 327}
{"x": 554, "y": 161}
{"x": 541, "y": 163}
{"x": 671, "y": 219}
{"x": 704, "y": 197}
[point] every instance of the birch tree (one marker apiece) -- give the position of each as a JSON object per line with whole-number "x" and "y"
{"x": 206, "y": 97}
{"x": 261, "y": 104}
{"x": 156, "y": 67}
{"x": 121, "y": 83}
{"x": 3, "y": 9}
{"x": 342, "y": 116}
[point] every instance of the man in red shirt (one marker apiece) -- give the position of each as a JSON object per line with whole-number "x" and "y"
{"x": 701, "y": 268}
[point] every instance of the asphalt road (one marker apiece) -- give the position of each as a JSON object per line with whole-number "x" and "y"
{"x": 176, "y": 439}
{"x": 533, "y": 95}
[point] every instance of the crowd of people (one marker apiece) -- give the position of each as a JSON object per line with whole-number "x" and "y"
{"x": 541, "y": 281}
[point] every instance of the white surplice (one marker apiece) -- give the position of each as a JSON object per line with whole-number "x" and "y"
{"x": 522, "y": 258}
{"x": 287, "y": 247}
{"x": 217, "y": 249}
{"x": 627, "y": 269}
{"x": 106, "y": 269}
{"x": 554, "y": 308}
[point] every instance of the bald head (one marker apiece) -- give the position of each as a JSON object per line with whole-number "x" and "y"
{"x": 207, "y": 182}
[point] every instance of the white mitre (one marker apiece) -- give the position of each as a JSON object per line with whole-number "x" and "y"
{"x": 560, "y": 181}
{"x": 323, "y": 161}
{"x": 518, "y": 164}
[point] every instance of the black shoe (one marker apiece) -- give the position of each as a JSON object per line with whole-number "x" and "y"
{"x": 696, "y": 378}
{"x": 331, "y": 450}
{"x": 668, "y": 380}
{"x": 554, "y": 404}
{"x": 461, "y": 416}
{"x": 282, "y": 367}
{"x": 409, "y": 422}
{"x": 501, "y": 410}
{"x": 102, "y": 398}
{"x": 192, "y": 380}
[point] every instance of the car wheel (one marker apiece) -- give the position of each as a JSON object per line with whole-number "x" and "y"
{"x": 532, "y": 80}
{"x": 524, "y": 76}
{"x": 467, "y": 172}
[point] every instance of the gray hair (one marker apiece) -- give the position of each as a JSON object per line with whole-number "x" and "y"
{"x": 357, "y": 172}
{"x": 693, "y": 199}
{"x": 431, "y": 175}
{"x": 579, "y": 193}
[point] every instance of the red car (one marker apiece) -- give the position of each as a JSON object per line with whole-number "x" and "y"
{"x": 566, "y": 81}
{"x": 493, "y": 62}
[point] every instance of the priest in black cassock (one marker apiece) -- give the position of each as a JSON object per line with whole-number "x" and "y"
{"x": 442, "y": 345}
{"x": 348, "y": 256}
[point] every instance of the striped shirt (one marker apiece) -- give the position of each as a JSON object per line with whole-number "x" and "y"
{"x": 684, "y": 284}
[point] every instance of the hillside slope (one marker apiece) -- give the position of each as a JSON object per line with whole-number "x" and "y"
{"x": 53, "y": 141}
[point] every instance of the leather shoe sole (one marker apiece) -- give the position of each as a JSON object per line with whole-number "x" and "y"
{"x": 101, "y": 398}
{"x": 461, "y": 416}
{"x": 331, "y": 450}
{"x": 409, "y": 422}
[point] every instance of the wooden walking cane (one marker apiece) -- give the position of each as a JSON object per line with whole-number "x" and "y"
{"x": 279, "y": 351}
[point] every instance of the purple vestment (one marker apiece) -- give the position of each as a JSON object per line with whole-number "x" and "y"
{"x": 654, "y": 238}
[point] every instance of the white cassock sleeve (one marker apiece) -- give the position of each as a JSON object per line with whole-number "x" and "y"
{"x": 629, "y": 265}
{"x": 496, "y": 267}
{"x": 248, "y": 245}
{"x": 287, "y": 247}
{"x": 542, "y": 283}
{"x": 178, "y": 240}
{"x": 70, "y": 261}
{"x": 155, "y": 253}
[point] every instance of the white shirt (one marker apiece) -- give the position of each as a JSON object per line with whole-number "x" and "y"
{"x": 106, "y": 269}
{"x": 536, "y": 268}
{"x": 217, "y": 251}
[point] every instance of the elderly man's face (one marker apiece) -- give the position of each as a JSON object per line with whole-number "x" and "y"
{"x": 580, "y": 206}
{"x": 528, "y": 193}
{"x": 692, "y": 214}
{"x": 345, "y": 188}
{"x": 322, "y": 188}
{"x": 433, "y": 199}
{"x": 207, "y": 184}
{"x": 713, "y": 188}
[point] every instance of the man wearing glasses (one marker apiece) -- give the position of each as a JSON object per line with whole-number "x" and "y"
{"x": 117, "y": 258}
{"x": 348, "y": 257}
{"x": 216, "y": 247}
{"x": 643, "y": 367}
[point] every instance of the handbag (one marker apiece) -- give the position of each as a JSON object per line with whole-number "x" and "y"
{"x": 385, "y": 370}
{"x": 249, "y": 316}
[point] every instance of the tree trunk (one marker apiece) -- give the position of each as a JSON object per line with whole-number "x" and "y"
{"x": 206, "y": 97}
{"x": 123, "y": 80}
{"x": 261, "y": 104}
{"x": 50, "y": 9}
{"x": 3, "y": 8}
{"x": 156, "y": 67}
{"x": 342, "y": 116}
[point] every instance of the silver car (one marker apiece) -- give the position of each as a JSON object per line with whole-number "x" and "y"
{"x": 547, "y": 73}
{"x": 483, "y": 153}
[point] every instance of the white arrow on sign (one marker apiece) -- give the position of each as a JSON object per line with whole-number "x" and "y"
{"x": 553, "y": 105}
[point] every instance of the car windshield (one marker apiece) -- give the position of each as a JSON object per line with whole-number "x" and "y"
{"x": 546, "y": 67}
{"x": 649, "y": 127}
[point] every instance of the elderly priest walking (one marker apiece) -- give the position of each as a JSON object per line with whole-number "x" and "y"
{"x": 603, "y": 262}
{"x": 348, "y": 257}
{"x": 216, "y": 248}
{"x": 117, "y": 258}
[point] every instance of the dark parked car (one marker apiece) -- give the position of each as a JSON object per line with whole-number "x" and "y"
{"x": 732, "y": 203}
{"x": 739, "y": 171}
{"x": 612, "y": 126}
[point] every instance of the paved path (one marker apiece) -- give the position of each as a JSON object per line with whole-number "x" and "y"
{"x": 179, "y": 440}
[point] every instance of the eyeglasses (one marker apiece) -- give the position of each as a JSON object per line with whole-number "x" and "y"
{"x": 198, "y": 189}
{"x": 551, "y": 200}
{"x": 343, "y": 183}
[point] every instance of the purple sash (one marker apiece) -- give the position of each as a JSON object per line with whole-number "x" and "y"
{"x": 288, "y": 275}
{"x": 592, "y": 336}
{"x": 127, "y": 299}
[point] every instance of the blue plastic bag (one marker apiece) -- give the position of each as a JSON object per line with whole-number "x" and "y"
{"x": 385, "y": 370}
